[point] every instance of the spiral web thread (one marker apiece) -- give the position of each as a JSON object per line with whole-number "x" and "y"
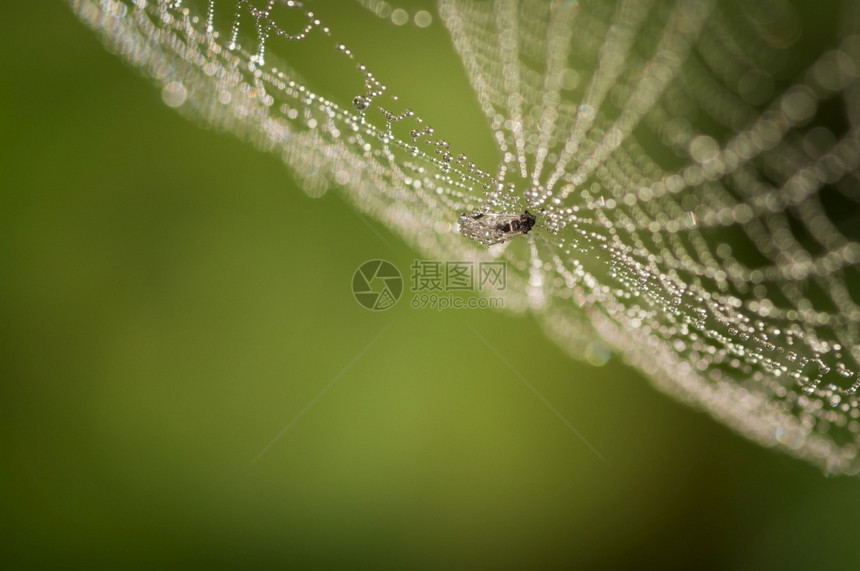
{"x": 695, "y": 170}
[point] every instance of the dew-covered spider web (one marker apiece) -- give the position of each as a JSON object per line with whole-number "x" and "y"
{"x": 692, "y": 166}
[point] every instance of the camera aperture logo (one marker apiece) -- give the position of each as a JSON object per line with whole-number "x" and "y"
{"x": 377, "y": 285}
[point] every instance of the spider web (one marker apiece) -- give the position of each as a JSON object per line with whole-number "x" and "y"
{"x": 694, "y": 164}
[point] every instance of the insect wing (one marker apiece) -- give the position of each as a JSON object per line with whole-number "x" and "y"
{"x": 488, "y": 229}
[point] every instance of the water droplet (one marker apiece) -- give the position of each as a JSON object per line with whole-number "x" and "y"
{"x": 693, "y": 220}
{"x": 423, "y": 18}
{"x": 174, "y": 94}
{"x": 360, "y": 103}
{"x": 399, "y": 17}
{"x": 597, "y": 354}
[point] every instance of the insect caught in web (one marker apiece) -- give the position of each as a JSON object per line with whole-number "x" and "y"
{"x": 489, "y": 229}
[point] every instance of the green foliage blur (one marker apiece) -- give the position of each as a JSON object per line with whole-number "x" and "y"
{"x": 170, "y": 301}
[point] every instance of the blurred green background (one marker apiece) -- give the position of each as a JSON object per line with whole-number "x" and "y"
{"x": 171, "y": 301}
